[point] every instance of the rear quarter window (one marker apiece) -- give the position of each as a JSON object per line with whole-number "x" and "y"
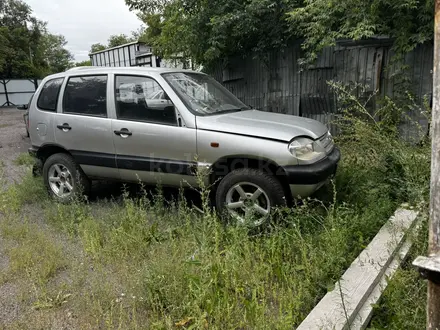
{"x": 48, "y": 98}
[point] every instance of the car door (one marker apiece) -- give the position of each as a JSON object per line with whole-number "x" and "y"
{"x": 150, "y": 146}
{"x": 83, "y": 126}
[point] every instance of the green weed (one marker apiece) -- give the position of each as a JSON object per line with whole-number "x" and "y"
{"x": 152, "y": 263}
{"x": 403, "y": 304}
{"x": 30, "y": 190}
{"x": 25, "y": 159}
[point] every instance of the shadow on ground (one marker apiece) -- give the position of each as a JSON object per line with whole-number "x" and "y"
{"x": 110, "y": 190}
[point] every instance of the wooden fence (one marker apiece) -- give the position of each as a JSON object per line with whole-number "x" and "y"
{"x": 280, "y": 85}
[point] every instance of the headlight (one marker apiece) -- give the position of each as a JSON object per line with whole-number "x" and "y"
{"x": 305, "y": 149}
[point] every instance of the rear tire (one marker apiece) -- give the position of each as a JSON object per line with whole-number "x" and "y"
{"x": 63, "y": 178}
{"x": 247, "y": 196}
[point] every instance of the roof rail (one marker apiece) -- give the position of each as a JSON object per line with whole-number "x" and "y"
{"x": 82, "y": 68}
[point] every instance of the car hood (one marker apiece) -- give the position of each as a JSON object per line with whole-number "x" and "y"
{"x": 263, "y": 124}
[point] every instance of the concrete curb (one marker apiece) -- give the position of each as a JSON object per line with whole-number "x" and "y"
{"x": 349, "y": 305}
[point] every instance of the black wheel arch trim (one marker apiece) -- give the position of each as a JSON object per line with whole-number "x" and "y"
{"x": 37, "y": 151}
{"x": 222, "y": 166}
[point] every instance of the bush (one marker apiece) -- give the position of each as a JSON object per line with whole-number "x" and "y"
{"x": 402, "y": 169}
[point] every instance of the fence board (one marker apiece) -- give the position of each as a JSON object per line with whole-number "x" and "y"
{"x": 281, "y": 85}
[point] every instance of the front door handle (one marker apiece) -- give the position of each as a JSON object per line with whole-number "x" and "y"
{"x": 64, "y": 127}
{"x": 124, "y": 133}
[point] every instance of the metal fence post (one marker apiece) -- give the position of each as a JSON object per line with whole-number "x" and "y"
{"x": 4, "y": 82}
{"x": 430, "y": 266}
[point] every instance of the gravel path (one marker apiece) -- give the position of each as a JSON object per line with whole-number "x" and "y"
{"x": 13, "y": 311}
{"x": 13, "y": 141}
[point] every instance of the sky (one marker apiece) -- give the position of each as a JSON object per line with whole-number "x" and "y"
{"x": 85, "y": 22}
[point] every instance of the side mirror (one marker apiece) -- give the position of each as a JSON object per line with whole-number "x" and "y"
{"x": 22, "y": 107}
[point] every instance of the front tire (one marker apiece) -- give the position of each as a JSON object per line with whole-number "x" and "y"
{"x": 247, "y": 196}
{"x": 63, "y": 178}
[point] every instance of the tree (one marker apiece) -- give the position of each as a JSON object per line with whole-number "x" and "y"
{"x": 208, "y": 31}
{"x": 118, "y": 40}
{"x": 148, "y": 6}
{"x": 28, "y": 49}
{"x": 322, "y": 22}
{"x": 115, "y": 40}
{"x": 84, "y": 63}
{"x": 97, "y": 48}
{"x": 14, "y": 13}
{"x": 57, "y": 57}
{"x": 16, "y": 47}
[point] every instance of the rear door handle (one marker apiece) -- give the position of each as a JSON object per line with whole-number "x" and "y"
{"x": 64, "y": 127}
{"x": 124, "y": 133}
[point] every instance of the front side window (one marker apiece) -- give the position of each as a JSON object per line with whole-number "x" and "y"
{"x": 202, "y": 94}
{"x": 86, "y": 95}
{"x": 142, "y": 99}
{"x": 48, "y": 98}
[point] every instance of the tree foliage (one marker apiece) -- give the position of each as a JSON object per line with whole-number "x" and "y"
{"x": 84, "y": 63}
{"x": 97, "y": 48}
{"x": 208, "y": 30}
{"x": 322, "y": 22}
{"x": 148, "y": 6}
{"x": 58, "y": 58}
{"x": 28, "y": 49}
{"x": 116, "y": 40}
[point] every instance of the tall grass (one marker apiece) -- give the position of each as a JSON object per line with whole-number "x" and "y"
{"x": 403, "y": 304}
{"x": 151, "y": 263}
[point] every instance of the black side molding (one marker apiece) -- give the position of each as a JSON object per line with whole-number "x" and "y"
{"x": 94, "y": 158}
{"x": 156, "y": 165}
{"x": 314, "y": 173}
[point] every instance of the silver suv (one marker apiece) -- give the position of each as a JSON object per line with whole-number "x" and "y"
{"x": 161, "y": 126}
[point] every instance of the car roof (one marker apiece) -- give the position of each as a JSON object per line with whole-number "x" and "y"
{"x": 132, "y": 69}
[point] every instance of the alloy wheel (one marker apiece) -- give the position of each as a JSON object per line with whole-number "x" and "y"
{"x": 248, "y": 204}
{"x": 60, "y": 180}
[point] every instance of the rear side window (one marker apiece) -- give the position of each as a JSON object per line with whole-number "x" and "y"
{"x": 48, "y": 98}
{"x": 86, "y": 96}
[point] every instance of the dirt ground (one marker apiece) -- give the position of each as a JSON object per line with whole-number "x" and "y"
{"x": 13, "y": 141}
